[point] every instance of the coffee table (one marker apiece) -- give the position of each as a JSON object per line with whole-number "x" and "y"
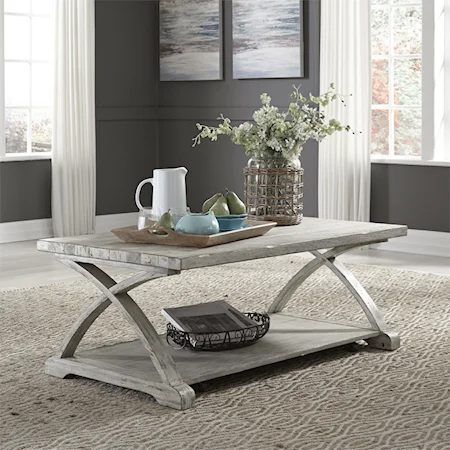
{"x": 150, "y": 365}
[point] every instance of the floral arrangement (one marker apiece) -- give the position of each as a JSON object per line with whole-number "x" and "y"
{"x": 276, "y": 133}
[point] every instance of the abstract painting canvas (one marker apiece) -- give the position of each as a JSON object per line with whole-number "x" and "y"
{"x": 190, "y": 40}
{"x": 267, "y": 38}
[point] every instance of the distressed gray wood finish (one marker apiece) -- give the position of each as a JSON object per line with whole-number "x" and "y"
{"x": 286, "y": 293}
{"x": 135, "y": 317}
{"x": 311, "y": 234}
{"x": 387, "y": 339}
{"x": 179, "y": 397}
{"x": 289, "y": 337}
{"x": 90, "y": 314}
{"x": 150, "y": 365}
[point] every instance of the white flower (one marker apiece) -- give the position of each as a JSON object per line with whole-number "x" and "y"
{"x": 279, "y": 132}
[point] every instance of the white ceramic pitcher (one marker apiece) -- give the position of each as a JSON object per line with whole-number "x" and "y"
{"x": 169, "y": 191}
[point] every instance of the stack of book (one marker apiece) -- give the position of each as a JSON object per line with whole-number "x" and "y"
{"x": 217, "y": 318}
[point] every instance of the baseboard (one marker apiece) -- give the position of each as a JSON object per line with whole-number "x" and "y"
{"x": 111, "y": 221}
{"x": 419, "y": 242}
{"x": 28, "y": 230}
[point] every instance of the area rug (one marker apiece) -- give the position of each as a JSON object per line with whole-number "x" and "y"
{"x": 344, "y": 398}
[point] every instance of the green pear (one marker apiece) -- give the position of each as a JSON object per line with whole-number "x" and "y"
{"x": 220, "y": 208}
{"x": 235, "y": 204}
{"x": 165, "y": 221}
{"x": 208, "y": 203}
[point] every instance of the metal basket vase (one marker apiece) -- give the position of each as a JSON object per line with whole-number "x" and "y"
{"x": 274, "y": 194}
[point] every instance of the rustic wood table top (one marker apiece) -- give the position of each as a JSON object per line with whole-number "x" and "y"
{"x": 311, "y": 234}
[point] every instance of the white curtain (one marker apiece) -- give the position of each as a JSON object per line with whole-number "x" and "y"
{"x": 73, "y": 149}
{"x": 344, "y": 158}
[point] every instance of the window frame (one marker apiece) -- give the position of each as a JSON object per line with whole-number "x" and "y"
{"x": 435, "y": 80}
{"x": 445, "y": 24}
{"x": 6, "y": 157}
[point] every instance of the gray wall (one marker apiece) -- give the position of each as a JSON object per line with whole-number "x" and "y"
{"x": 126, "y": 99}
{"x": 130, "y": 99}
{"x": 127, "y": 128}
{"x": 25, "y": 192}
{"x": 215, "y": 166}
{"x": 418, "y": 196}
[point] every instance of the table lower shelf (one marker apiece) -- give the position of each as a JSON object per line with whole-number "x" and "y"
{"x": 128, "y": 364}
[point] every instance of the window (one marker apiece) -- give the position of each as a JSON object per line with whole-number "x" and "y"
{"x": 444, "y": 33}
{"x": 408, "y": 79}
{"x": 396, "y": 77}
{"x": 26, "y": 77}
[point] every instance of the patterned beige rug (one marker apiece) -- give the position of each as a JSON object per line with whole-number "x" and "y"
{"x": 337, "y": 399}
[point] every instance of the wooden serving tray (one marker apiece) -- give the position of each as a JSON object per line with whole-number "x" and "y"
{"x": 133, "y": 235}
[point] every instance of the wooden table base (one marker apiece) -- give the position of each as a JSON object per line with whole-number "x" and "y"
{"x": 150, "y": 365}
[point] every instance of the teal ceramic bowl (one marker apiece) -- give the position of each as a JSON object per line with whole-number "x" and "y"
{"x": 198, "y": 224}
{"x": 231, "y": 222}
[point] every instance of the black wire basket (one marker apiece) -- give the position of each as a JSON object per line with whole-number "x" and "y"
{"x": 214, "y": 341}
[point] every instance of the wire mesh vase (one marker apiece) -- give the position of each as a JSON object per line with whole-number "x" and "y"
{"x": 274, "y": 190}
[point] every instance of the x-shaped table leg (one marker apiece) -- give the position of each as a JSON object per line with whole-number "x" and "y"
{"x": 387, "y": 339}
{"x": 172, "y": 391}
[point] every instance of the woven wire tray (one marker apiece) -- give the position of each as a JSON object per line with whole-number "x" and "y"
{"x": 214, "y": 341}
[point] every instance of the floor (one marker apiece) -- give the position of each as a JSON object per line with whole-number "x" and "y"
{"x": 22, "y": 266}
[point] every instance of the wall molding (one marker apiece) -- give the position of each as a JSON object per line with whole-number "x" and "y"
{"x": 124, "y": 113}
{"x": 205, "y": 113}
{"x": 28, "y": 230}
{"x": 419, "y": 242}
